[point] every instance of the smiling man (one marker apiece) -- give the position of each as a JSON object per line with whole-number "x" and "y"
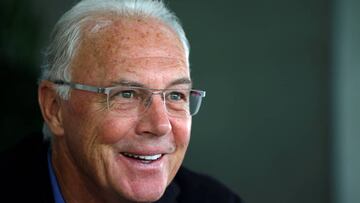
{"x": 117, "y": 100}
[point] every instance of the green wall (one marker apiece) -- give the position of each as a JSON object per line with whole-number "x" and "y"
{"x": 346, "y": 60}
{"x": 264, "y": 127}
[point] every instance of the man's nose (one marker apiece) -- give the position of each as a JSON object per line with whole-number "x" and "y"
{"x": 155, "y": 120}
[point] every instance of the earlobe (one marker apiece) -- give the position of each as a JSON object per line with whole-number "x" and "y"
{"x": 50, "y": 107}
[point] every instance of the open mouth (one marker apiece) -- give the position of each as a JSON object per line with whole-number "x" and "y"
{"x": 143, "y": 158}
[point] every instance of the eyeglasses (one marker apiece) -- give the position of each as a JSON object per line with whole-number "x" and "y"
{"x": 130, "y": 101}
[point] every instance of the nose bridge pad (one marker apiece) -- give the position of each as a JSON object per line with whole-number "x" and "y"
{"x": 148, "y": 101}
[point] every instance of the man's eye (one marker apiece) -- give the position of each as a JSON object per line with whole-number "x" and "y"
{"x": 176, "y": 96}
{"x": 125, "y": 94}
{"x": 128, "y": 94}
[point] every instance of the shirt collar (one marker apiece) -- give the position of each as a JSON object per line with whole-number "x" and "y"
{"x": 54, "y": 183}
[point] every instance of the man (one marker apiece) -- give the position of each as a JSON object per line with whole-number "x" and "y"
{"x": 117, "y": 99}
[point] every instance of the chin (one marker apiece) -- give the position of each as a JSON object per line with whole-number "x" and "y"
{"x": 143, "y": 190}
{"x": 146, "y": 195}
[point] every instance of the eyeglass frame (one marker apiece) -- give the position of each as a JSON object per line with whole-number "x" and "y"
{"x": 106, "y": 91}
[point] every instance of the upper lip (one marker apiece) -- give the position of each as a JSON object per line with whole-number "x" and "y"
{"x": 143, "y": 153}
{"x": 143, "y": 150}
{"x": 146, "y": 152}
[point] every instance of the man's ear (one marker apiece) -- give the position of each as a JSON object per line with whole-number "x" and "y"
{"x": 50, "y": 106}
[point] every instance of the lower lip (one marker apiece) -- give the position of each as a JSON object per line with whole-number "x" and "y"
{"x": 140, "y": 164}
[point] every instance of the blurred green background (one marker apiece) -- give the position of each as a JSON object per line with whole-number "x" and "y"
{"x": 280, "y": 123}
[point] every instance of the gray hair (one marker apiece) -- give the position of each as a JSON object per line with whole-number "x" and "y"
{"x": 65, "y": 38}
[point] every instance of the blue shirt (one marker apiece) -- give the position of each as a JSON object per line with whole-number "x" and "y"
{"x": 54, "y": 184}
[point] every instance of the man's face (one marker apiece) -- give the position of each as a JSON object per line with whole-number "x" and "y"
{"x": 99, "y": 141}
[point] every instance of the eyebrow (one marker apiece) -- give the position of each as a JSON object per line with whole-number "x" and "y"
{"x": 130, "y": 83}
{"x": 181, "y": 81}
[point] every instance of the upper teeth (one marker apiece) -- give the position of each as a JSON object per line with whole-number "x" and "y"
{"x": 147, "y": 158}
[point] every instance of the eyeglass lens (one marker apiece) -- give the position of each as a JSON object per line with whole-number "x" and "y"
{"x": 134, "y": 101}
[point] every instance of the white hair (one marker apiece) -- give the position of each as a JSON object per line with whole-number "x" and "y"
{"x": 65, "y": 38}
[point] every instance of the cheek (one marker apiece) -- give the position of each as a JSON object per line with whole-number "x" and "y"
{"x": 181, "y": 130}
{"x": 113, "y": 129}
{"x": 182, "y": 138}
{"x": 78, "y": 125}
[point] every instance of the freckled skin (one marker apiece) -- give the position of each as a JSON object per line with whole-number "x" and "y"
{"x": 86, "y": 155}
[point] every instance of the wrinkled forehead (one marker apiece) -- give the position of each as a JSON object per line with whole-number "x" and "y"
{"x": 131, "y": 34}
{"x": 130, "y": 42}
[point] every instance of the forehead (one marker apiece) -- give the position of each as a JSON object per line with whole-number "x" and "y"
{"x": 114, "y": 48}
